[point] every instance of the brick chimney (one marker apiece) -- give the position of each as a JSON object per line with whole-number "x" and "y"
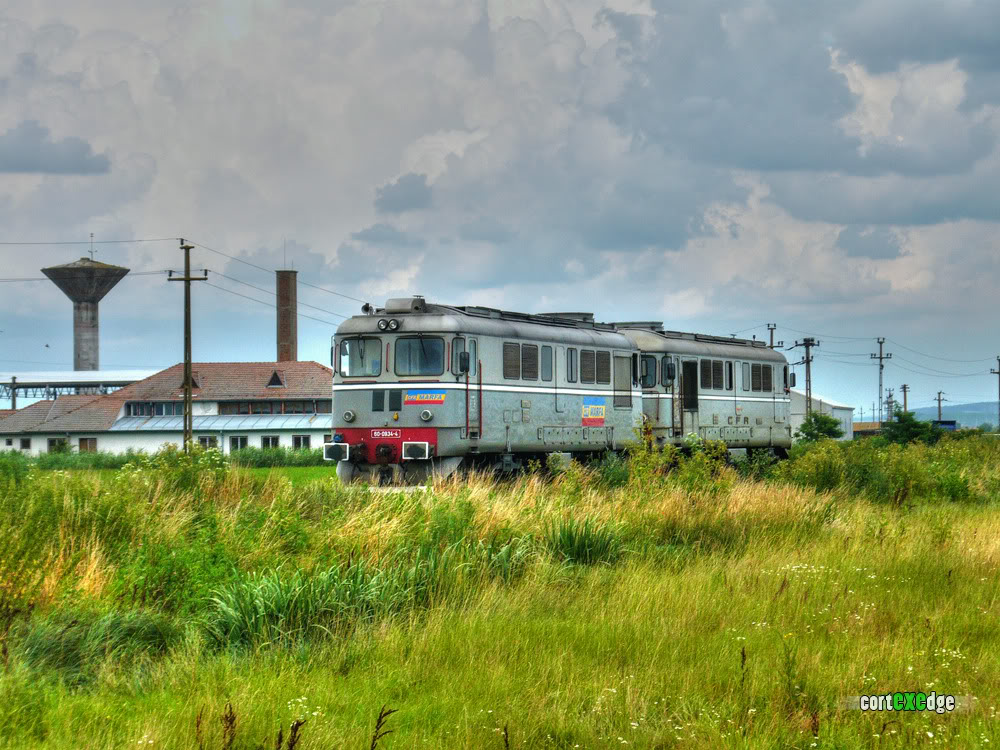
{"x": 288, "y": 334}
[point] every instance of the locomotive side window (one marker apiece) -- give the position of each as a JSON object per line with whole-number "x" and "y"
{"x": 587, "y": 366}
{"x": 473, "y": 353}
{"x": 729, "y": 376}
{"x": 360, "y": 357}
{"x": 604, "y": 367}
{"x": 755, "y": 377}
{"x": 546, "y": 363}
{"x": 785, "y": 369}
{"x": 706, "y": 374}
{"x": 511, "y": 361}
{"x": 766, "y": 372}
{"x": 571, "y": 365}
{"x": 529, "y": 362}
{"x": 746, "y": 376}
{"x": 717, "y": 374}
{"x": 647, "y": 371}
{"x": 665, "y": 370}
{"x": 457, "y": 347}
{"x": 419, "y": 355}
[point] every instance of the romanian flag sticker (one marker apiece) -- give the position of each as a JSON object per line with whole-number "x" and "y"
{"x": 593, "y": 411}
{"x": 424, "y": 397}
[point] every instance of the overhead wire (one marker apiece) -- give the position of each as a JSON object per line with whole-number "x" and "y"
{"x": 274, "y": 294}
{"x": 269, "y": 304}
{"x": 80, "y": 276}
{"x": 93, "y": 242}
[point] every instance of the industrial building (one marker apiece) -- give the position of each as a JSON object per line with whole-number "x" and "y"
{"x": 236, "y": 405}
{"x": 841, "y": 412}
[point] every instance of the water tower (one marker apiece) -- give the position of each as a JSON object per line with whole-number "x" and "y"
{"x": 85, "y": 281}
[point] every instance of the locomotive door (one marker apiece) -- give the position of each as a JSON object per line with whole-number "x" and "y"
{"x": 474, "y": 393}
{"x": 689, "y": 396}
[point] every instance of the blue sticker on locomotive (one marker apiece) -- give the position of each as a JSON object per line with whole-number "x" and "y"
{"x": 593, "y": 411}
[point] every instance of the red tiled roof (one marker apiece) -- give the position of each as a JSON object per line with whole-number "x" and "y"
{"x": 65, "y": 414}
{"x": 6, "y": 412}
{"x": 235, "y": 380}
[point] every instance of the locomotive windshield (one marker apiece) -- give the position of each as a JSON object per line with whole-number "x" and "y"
{"x": 360, "y": 356}
{"x": 419, "y": 355}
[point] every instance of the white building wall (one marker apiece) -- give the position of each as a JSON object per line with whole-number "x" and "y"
{"x": 150, "y": 442}
{"x": 797, "y": 412}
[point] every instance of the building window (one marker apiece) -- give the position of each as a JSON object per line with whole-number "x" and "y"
{"x": 300, "y": 442}
{"x": 587, "y": 367}
{"x": 208, "y": 441}
{"x": 647, "y": 371}
{"x": 26, "y": 444}
{"x": 717, "y": 374}
{"x": 547, "y": 363}
{"x": 328, "y": 438}
{"x": 755, "y": 377}
{"x": 729, "y": 376}
{"x": 706, "y": 374}
{"x": 294, "y": 407}
{"x": 529, "y": 362}
{"x": 419, "y": 355}
{"x": 88, "y": 445}
{"x": 9, "y": 442}
{"x": 767, "y": 373}
{"x": 269, "y": 441}
{"x": 511, "y": 361}
{"x": 571, "y": 365}
{"x": 237, "y": 443}
{"x": 57, "y": 445}
{"x": 746, "y": 376}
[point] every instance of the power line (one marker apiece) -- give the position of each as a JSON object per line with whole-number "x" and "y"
{"x": 265, "y": 302}
{"x": 944, "y": 359}
{"x": 275, "y": 294}
{"x": 80, "y": 276}
{"x": 937, "y": 375}
{"x": 92, "y": 242}
{"x": 269, "y": 270}
{"x": 829, "y": 336}
{"x": 932, "y": 371}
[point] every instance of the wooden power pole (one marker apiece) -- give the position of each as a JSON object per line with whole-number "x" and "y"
{"x": 187, "y": 278}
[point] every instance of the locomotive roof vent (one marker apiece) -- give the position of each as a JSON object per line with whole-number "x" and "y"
{"x": 414, "y": 304}
{"x": 583, "y": 317}
{"x": 652, "y": 325}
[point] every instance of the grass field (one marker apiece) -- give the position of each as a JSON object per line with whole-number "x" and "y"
{"x": 665, "y": 602}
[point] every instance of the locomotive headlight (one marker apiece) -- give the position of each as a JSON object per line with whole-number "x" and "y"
{"x": 426, "y": 415}
{"x": 348, "y": 416}
{"x": 393, "y": 324}
{"x": 383, "y": 324}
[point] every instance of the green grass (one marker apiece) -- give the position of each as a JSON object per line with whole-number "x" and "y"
{"x": 298, "y": 475}
{"x": 663, "y": 603}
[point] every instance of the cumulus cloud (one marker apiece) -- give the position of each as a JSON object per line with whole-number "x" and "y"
{"x": 29, "y": 148}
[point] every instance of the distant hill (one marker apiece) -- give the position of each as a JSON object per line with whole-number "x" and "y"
{"x": 967, "y": 415}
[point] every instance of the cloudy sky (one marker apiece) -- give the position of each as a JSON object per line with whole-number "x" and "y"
{"x": 830, "y": 167}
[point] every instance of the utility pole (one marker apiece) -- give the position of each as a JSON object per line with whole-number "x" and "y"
{"x": 880, "y": 356}
{"x": 905, "y": 389}
{"x": 772, "y": 345}
{"x": 888, "y": 405}
{"x": 939, "y": 400}
{"x": 187, "y": 278}
{"x": 807, "y": 343}
{"x": 997, "y": 373}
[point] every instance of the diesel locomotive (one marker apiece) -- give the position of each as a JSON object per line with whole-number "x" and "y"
{"x": 423, "y": 388}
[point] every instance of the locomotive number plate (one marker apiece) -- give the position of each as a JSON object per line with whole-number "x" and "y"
{"x": 386, "y": 433}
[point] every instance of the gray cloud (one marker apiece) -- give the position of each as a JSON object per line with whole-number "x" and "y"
{"x": 386, "y": 234}
{"x": 409, "y": 193}
{"x": 877, "y": 243}
{"x": 28, "y": 148}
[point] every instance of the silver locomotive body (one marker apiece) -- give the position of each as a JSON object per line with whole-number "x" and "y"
{"x": 421, "y": 388}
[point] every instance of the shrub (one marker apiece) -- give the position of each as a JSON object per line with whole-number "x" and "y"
{"x": 270, "y": 457}
{"x": 612, "y": 470}
{"x": 14, "y": 467}
{"x": 585, "y": 543}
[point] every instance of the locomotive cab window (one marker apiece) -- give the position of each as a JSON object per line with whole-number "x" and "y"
{"x": 729, "y": 376}
{"x": 457, "y": 348}
{"x": 647, "y": 371}
{"x": 473, "y": 353}
{"x": 419, "y": 355}
{"x": 665, "y": 363}
{"x": 360, "y": 357}
{"x": 571, "y": 365}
